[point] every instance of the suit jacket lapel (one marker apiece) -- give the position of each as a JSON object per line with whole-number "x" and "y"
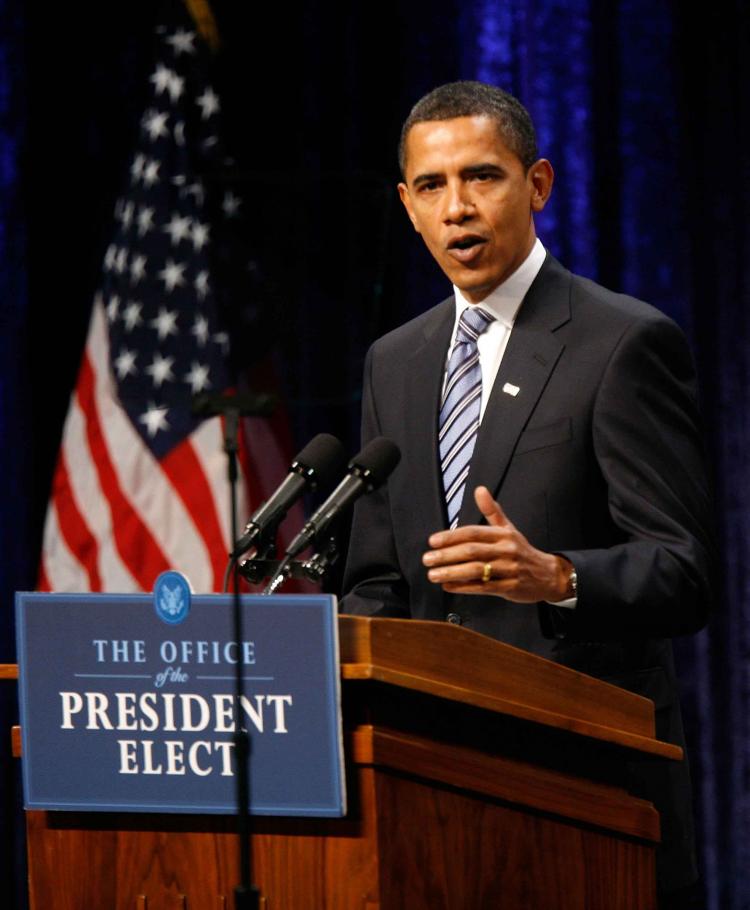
{"x": 425, "y": 381}
{"x": 528, "y": 362}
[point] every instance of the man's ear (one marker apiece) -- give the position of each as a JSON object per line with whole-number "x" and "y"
{"x": 403, "y": 192}
{"x": 541, "y": 177}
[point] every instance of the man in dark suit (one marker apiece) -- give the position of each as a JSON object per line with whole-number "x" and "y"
{"x": 552, "y": 492}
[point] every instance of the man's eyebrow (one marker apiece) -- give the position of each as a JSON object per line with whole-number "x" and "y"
{"x": 426, "y": 178}
{"x": 469, "y": 171}
{"x": 483, "y": 169}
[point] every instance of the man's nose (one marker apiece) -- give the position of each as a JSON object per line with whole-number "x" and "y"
{"x": 458, "y": 204}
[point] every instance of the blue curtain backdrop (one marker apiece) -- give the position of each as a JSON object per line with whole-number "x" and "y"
{"x": 15, "y": 555}
{"x": 642, "y": 107}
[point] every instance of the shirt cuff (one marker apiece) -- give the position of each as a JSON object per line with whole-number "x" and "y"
{"x": 569, "y": 603}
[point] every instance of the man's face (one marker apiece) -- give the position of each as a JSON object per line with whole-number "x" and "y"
{"x": 472, "y": 201}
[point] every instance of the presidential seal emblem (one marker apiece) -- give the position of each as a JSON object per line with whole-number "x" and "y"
{"x": 172, "y": 597}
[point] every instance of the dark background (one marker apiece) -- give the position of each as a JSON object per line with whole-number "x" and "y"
{"x": 642, "y": 108}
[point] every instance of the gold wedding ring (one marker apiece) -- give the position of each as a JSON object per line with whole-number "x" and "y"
{"x": 487, "y": 573}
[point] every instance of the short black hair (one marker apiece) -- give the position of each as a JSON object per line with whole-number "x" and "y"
{"x": 471, "y": 99}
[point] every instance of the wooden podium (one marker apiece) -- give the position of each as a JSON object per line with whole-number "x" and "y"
{"x": 479, "y": 776}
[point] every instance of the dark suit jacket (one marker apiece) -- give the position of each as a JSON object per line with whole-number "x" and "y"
{"x": 597, "y": 457}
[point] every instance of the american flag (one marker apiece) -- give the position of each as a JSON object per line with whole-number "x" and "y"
{"x": 140, "y": 485}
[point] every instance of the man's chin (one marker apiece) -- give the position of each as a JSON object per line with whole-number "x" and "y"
{"x": 475, "y": 292}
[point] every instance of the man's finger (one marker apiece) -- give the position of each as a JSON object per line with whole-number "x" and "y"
{"x": 489, "y": 508}
{"x": 461, "y": 573}
{"x": 473, "y": 551}
{"x": 463, "y": 534}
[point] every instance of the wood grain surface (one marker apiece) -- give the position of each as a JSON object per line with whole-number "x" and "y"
{"x": 461, "y": 665}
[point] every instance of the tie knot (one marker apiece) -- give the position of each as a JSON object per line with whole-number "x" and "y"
{"x": 472, "y": 323}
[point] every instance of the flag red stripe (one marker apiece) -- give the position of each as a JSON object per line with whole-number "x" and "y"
{"x": 254, "y": 491}
{"x": 185, "y": 472}
{"x": 136, "y": 545}
{"x": 76, "y": 533}
{"x": 42, "y": 582}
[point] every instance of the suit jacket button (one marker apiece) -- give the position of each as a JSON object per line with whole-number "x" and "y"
{"x": 454, "y": 618}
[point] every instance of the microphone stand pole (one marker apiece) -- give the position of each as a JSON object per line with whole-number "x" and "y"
{"x": 246, "y": 895}
{"x": 231, "y": 407}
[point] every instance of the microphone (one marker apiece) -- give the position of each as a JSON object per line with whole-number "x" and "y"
{"x": 319, "y": 462}
{"x": 365, "y": 473}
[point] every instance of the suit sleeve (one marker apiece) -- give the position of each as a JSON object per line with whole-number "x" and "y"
{"x": 373, "y": 578}
{"x": 646, "y": 434}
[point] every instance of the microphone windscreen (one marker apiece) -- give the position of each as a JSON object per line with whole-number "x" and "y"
{"x": 324, "y": 456}
{"x": 376, "y": 461}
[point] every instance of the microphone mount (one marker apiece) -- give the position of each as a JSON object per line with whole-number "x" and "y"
{"x": 314, "y": 568}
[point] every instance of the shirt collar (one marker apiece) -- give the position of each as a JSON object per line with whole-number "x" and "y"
{"x": 507, "y": 297}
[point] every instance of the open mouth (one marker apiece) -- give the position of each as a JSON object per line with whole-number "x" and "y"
{"x": 465, "y": 243}
{"x": 466, "y": 248}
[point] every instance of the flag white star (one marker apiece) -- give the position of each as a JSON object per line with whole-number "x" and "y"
{"x": 155, "y": 419}
{"x": 132, "y": 315}
{"x": 165, "y": 323}
{"x": 178, "y": 228}
{"x": 172, "y": 275}
{"x": 121, "y": 260}
{"x": 208, "y": 102}
{"x": 126, "y": 216}
{"x": 125, "y": 363}
{"x": 113, "y": 307}
{"x": 151, "y": 173}
{"x": 200, "y": 329}
{"x": 182, "y": 42}
{"x": 110, "y": 257}
{"x": 155, "y": 124}
{"x": 200, "y": 236}
{"x": 198, "y": 377}
{"x": 179, "y": 132}
{"x": 176, "y": 85}
{"x": 196, "y": 190}
{"x": 136, "y": 168}
{"x": 201, "y": 284}
{"x": 137, "y": 268}
{"x": 160, "y": 369}
{"x": 231, "y": 204}
{"x": 221, "y": 338}
{"x": 161, "y": 78}
{"x": 145, "y": 219}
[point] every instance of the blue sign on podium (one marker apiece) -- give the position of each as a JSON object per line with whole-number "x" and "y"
{"x": 128, "y": 702}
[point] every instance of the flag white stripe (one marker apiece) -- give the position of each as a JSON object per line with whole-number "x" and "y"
{"x": 63, "y": 569}
{"x": 208, "y": 444}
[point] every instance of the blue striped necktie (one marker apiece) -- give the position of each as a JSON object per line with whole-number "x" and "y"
{"x": 459, "y": 412}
